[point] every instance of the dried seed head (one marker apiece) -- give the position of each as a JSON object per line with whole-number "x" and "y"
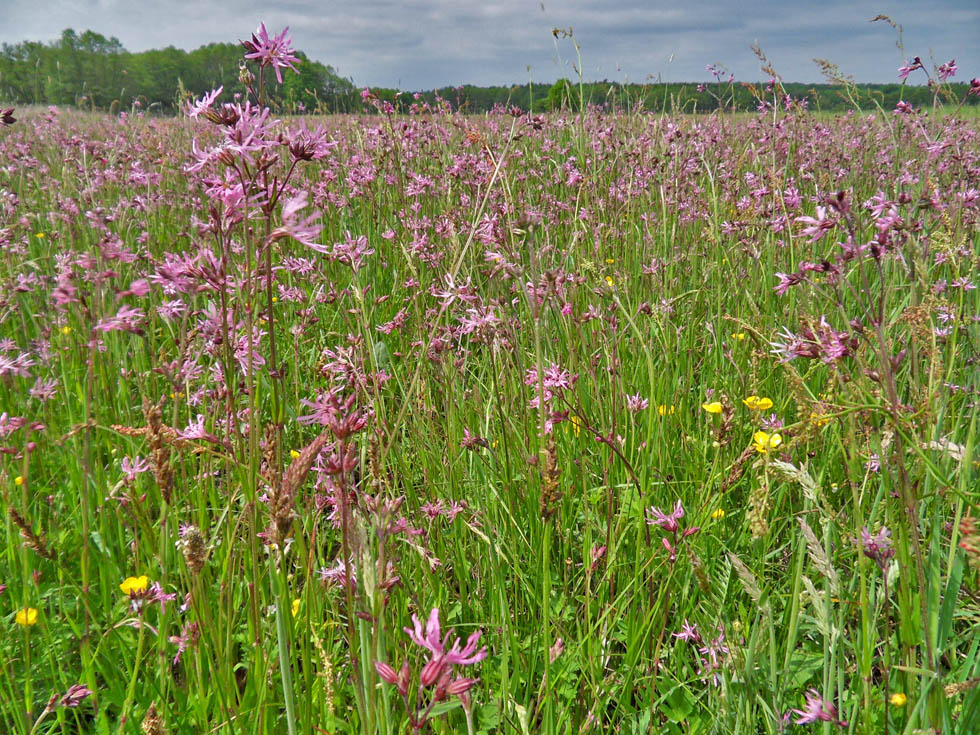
{"x": 152, "y": 722}
{"x": 159, "y": 449}
{"x": 195, "y": 548}
{"x": 550, "y": 490}
{"x": 31, "y": 540}
{"x": 283, "y": 501}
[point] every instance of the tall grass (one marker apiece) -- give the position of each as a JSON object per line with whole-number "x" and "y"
{"x": 493, "y": 407}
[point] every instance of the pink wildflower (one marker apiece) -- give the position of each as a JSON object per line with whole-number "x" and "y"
{"x": 275, "y": 52}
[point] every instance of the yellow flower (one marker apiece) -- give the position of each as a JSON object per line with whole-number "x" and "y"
{"x": 757, "y": 404}
{"x": 718, "y": 514}
{"x": 66, "y": 330}
{"x": 609, "y": 281}
{"x": 18, "y": 481}
{"x": 666, "y": 410}
{"x": 714, "y": 407}
{"x": 898, "y": 699}
{"x": 295, "y": 606}
{"x": 26, "y": 617}
{"x": 764, "y": 442}
{"x": 576, "y": 425}
{"x": 738, "y": 336}
{"x": 39, "y": 235}
{"x": 819, "y": 419}
{"x": 610, "y": 261}
{"x": 135, "y": 585}
{"x": 293, "y": 453}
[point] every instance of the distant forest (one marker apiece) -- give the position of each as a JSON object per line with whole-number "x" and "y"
{"x": 91, "y": 71}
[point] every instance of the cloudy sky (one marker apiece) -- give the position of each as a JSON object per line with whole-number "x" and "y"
{"x": 420, "y": 44}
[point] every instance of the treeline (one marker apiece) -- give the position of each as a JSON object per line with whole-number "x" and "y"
{"x": 686, "y": 97}
{"x": 95, "y": 72}
{"x": 91, "y": 71}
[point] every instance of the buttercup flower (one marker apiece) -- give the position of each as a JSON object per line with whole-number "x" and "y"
{"x": 26, "y": 617}
{"x": 135, "y": 585}
{"x": 898, "y": 699}
{"x": 764, "y": 442}
{"x": 755, "y": 403}
{"x": 713, "y": 407}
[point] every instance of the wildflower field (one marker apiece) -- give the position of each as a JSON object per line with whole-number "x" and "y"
{"x": 597, "y": 422}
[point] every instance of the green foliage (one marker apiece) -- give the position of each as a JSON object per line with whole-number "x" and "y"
{"x": 93, "y": 72}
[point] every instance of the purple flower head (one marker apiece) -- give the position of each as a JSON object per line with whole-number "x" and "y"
{"x": 817, "y": 226}
{"x": 878, "y": 548}
{"x": 275, "y": 52}
{"x": 817, "y": 710}
{"x": 947, "y": 70}
{"x": 666, "y": 522}
{"x": 308, "y": 145}
{"x": 904, "y": 71}
{"x": 689, "y": 633}
{"x": 715, "y": 653}
{"x": 636, "y": 403}
{"x": 302, "y": 230}
{"x": 431, "y": 640}
{"x": 196, "y": 108}
{"x": 74, "y": 696}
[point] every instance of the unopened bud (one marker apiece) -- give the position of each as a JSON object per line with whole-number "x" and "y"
{"x": 442, "y": 687}
{"x": 245, "y": 76}
{"x": 385, "y": 671}
{"x": 431, "y": 672}
{"x": 461, "y": 686}
{"x": 404, "y": 677}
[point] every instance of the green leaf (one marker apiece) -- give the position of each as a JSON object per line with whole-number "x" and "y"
{"x": 678, "y": 705}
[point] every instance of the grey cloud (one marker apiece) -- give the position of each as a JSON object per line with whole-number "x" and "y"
{"x": 420, "y": 44}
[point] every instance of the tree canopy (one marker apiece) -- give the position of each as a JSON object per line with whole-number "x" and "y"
{"x": 92, "y": 71}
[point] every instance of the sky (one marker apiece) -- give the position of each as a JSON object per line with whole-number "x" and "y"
{"x": 423, "y": 44}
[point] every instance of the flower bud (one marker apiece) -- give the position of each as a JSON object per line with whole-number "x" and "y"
{"x": 431, "y": 672}
{"x": 461, "y": 686}
{"x": 245, "y": 76}
{"x": 404, "y": 676}
{"x": 386, "y": 672}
